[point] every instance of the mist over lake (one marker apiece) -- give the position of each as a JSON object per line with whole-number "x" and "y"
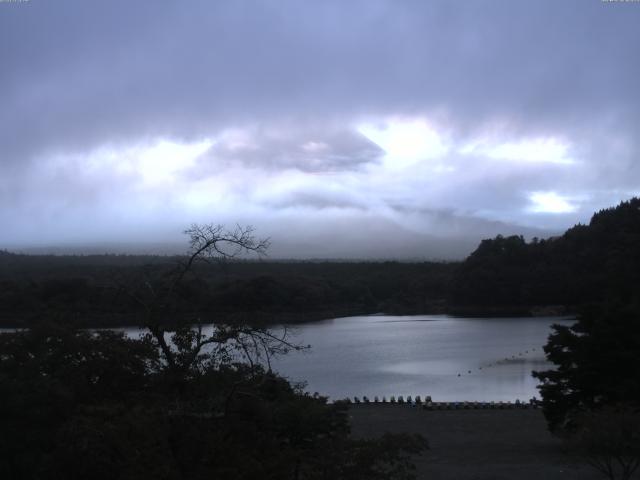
{"x": 421, "y": 355}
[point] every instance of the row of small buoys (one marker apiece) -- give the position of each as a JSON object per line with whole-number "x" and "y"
{"x": 428, "y": 404}
{"x": 392, "y": 399}
{"x": 532, "y": 403}
{"x": 506, "y": 359}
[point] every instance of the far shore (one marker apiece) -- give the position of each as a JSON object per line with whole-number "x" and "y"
{"x": 273, "y": 318}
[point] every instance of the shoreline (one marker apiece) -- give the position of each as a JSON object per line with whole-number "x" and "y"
{"x": 272, "y": 319}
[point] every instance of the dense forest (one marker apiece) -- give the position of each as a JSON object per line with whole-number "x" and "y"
{"x": 94, "y": 290}
{"x": 588, "y": 264}
{"x": 504, "y": 275}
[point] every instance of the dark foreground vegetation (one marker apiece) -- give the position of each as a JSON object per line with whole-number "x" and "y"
{"x": 178, "y": 403}
{"x": 76, "y": 405}
{"x": 592, "y": 396}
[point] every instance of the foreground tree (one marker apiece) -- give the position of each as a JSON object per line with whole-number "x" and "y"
{"x": 77, "y": 405}
{"x": 50, "y": 376}
{"x": 595, "y": 364}
{"x": 592, "y": 396}
{"x": 160, "y": 291}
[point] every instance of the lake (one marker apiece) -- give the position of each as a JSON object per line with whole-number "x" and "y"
{"x": 448, "y": 358}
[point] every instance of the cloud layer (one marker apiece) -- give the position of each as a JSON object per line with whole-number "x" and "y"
{"x": 364, "y": 128}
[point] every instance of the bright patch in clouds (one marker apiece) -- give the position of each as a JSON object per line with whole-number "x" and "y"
{"x": 315, "y": 147}
{"x": 236, "y": 139}
{"x": 550, "y": 202}
{"x": 537, "y": 150}
{"x": 153, "y": 163}
{"x": 162, "y": 161}
{"x": 405, "y": 141}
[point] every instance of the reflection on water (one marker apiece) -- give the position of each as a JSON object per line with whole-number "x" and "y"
{"x": 446, "y": 357}
{"x": 449, "y": 358}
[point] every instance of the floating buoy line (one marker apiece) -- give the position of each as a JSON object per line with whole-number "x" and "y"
{"x": 497, "y": 363}
{"x": 429, "y": 404}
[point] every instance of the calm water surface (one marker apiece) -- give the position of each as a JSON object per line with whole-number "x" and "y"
{"x": 446, "y": 357}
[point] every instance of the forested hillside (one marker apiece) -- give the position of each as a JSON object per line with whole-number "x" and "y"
{"x": 586, "y": 264}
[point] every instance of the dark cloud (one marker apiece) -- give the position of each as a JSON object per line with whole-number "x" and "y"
{"x": 317, "y": 200}
{"x": 76, "y": 74}
{"x": 314, "y": 151}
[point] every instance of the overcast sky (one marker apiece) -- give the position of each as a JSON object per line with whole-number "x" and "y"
{"x": 339, "y": 128}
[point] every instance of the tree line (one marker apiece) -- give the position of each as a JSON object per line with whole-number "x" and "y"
{"x": 90, "y": 290}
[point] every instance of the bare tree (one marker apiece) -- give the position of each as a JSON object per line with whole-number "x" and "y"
{"x": 186, "y": 346}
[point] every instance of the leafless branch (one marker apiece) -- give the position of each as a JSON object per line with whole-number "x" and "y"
{"x": 192, "y": 348}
